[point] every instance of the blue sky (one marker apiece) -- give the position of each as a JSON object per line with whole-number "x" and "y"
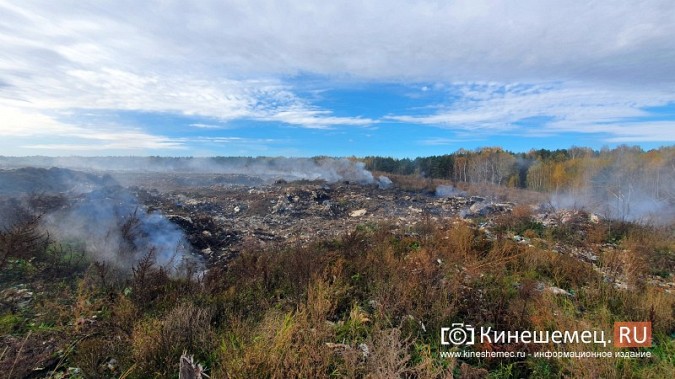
{"x": 299, "y": 78}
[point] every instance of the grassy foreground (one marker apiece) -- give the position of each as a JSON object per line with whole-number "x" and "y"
{"x": 369, "y": 304}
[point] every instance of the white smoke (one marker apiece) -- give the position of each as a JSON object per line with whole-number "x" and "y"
{"x": 384, "y": 182}
{"x": 95, "y": 212}
{"x": 328, "y": 169}
{"x": 639, "y": 206}
{"x": 116, "y": 229}
{"x": 625, "y": 189}
{"x": 448, "y": 191}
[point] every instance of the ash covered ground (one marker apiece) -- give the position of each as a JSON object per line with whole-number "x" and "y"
{"x": 221, "y": 219}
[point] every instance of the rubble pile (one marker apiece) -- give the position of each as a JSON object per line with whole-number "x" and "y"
{"x": 611, "y": 260}
{"x": 222, "y": 219}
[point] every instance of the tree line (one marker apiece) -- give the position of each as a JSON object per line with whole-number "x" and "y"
{"x": 618, "y": 172}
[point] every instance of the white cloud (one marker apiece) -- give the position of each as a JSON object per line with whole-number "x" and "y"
{"x": 453, "y": 40}
{"x": 23, "y": 130}
{"x": 78, "y": 57}
{"x": 381, "y": 39}
{"x": 18, "y": 122}
{"x": 117, "y": 144}
{"x": 226, "y": 60}
{"x": 210, "y": 146}
{"x": 496, "y": 108}
{"x": 208, "y": 126}
{"x": 316, "y": 119}
{"x": 623, "y": 132}
{"x": 440, "y": 141}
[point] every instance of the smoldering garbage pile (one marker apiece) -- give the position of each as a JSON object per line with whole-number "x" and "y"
{"x": 92, "y": 211}
{"x": 448, "y": 191}
{"x": 117, "y": 229}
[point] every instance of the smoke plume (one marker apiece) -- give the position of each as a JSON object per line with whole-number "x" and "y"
{"x": 626, "y": 188}
{"x": 115, "y": 228}
{"x": 448, "y": 191}
{"x": 328, "y": 169}
{"x": 92, "y": 211}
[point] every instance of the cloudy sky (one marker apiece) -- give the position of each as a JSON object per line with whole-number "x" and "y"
{"x": 304, "y": 78}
